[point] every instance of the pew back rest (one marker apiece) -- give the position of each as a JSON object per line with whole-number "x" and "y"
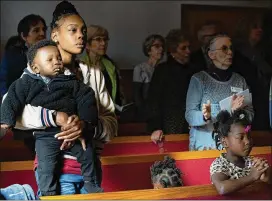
{"x": 132, "y": 172}
{"x": 256, "y": 191}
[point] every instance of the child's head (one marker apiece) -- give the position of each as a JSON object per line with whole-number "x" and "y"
{"x": 165, "y": 174}
{"x": 45, "y": 59}
{"x": 233, "y": 132}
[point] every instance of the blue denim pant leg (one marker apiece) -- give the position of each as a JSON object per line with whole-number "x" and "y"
{"x": 69, "y": 184}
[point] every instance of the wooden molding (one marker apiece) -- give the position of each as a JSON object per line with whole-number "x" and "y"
{"x": 135, "y": 139}
{"x": 167, "y": 193}
{"x": 259, "y": 137}
{"x": 126, "y": 159}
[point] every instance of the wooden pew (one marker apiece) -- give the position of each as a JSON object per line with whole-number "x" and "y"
{"x": 131, "y": 172}
{"x": 258, "y": 191}
{"x": 132, "y": 145}
{"x": 16, "y": 150}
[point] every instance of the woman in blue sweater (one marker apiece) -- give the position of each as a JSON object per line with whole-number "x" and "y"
{"x": 207, "y": 88}
{"x": 31, "y": 29}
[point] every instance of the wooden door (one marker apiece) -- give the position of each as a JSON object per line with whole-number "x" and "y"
{"x": 193, "y": 16}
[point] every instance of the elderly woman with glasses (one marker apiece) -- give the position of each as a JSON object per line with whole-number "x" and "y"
{"x": 207, "y": 88}
{"x": 168, "y": 88}
{"x": 96, "y": 48}
{"x": 153, "y": 48}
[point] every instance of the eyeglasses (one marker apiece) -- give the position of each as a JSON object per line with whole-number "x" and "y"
{"x": 225, "y": 49}
{"x": 101, "y": 39}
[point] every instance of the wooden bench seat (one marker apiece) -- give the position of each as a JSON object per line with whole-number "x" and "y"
{"x": 127, "y": 145}
{"x": 131, "y": 172}
{"x": 257, "y": 191}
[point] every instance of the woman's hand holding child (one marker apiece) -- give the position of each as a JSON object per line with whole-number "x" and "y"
{"x": 71, "y": 128}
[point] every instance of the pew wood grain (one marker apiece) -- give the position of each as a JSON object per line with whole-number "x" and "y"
{"x": 169, "y": 193}
{"x": 127, "y": 159}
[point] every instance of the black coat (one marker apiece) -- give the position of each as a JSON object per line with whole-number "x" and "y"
{"x": 63, "y": 93}
{"x": 166, "y": 102}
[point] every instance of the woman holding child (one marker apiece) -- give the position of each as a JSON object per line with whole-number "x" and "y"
{"x": 69, "y": 32}
{"x": 207, "y": 88}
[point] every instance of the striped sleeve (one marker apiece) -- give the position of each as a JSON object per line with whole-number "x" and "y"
{"x": 35, "y": 118}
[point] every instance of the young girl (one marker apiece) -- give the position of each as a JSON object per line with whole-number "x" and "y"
{"x": 235, "y": 169}
{"x": 165, "y": 174}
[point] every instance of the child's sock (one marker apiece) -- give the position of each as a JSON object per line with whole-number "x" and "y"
{"x": 92, "y": 188}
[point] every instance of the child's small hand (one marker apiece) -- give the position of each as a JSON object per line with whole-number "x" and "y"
{"x": 256, "y": 172}
{"x": 262, "y": 163}
{"x": 61, "y": 118}
{"x": 256, "y": 162}
{"x": 266, "y": 175}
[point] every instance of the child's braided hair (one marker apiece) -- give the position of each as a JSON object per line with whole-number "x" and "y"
{"x": 166, "y": 173}
{"x": 63, "y": 9}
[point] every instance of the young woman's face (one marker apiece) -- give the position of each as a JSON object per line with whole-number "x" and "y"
{"x": 35, "y": 34}
{"x": 239, "y": 141}
{"x": 156, "y": 50}
{"x": 71, "y": 35}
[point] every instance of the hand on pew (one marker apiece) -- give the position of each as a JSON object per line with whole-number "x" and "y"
{"x": 157, "y": 136}
{"x": 4, "y": 130}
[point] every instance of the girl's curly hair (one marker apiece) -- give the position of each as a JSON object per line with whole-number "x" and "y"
{"x": 224, "y": 120}
{"x": 166, "y": 173}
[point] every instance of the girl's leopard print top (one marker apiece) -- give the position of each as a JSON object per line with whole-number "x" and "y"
{"x": 222, "y": 165}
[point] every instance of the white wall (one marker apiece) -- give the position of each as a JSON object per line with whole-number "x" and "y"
{"x": 128, "y": 22}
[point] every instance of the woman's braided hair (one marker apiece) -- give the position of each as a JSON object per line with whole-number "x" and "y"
{"x": 166, "y": 173}
{"x": 63, "y": 9}
{"x": 224, "y": 120}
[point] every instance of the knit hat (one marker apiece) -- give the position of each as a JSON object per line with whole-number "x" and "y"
{"x": 18, "y": 192}
{"x": 96, "y": 30}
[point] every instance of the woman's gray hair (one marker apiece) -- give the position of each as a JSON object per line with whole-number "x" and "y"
{"x": 174, "y": 38}
{"x": 149, "y": 41}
